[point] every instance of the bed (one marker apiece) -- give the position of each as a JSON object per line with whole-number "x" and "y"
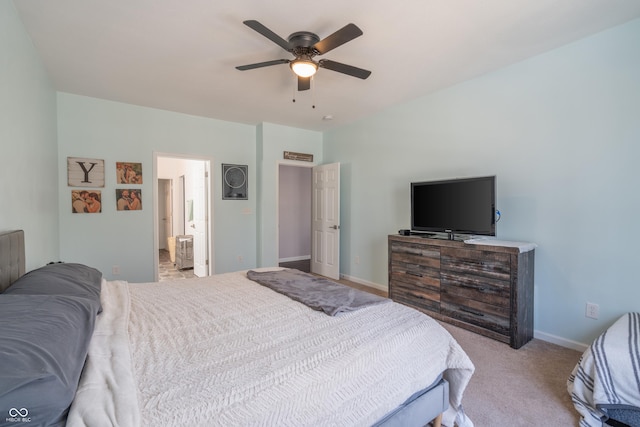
{"x": 223, "y": 350}
{"x": 605, "y": 383}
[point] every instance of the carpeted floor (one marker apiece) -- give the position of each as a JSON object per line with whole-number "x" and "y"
{"x": 512, "y": 388}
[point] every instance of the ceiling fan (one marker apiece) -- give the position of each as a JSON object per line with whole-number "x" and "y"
{"x": 305, "y": 45}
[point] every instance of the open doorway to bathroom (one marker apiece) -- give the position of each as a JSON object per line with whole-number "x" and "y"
{"x": 183, "y": 235}
{"x": 167, "y": 269}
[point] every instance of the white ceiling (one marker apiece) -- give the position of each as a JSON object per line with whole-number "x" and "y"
{"x": 180, "y": 55}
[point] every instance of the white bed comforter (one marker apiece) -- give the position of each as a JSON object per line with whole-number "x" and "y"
{"x": 226, "y": 351}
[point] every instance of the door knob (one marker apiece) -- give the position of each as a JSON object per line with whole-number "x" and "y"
{"x": 335, "y": 227}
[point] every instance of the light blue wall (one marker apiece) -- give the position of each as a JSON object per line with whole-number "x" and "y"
{"x": 561, "y": 132}
{"x": 111, "y": 131}
{"x": 28, "y": 151}
{"x": 273, "y": 141}
{"x": 116, "y": 132}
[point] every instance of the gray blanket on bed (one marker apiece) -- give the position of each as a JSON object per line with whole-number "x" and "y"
{"x": 315, "y": 292}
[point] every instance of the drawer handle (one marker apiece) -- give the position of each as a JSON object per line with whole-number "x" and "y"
{"x": 474, "y": 312}
{"x": 475, "y": 288}
{"x": 414, "y": 274}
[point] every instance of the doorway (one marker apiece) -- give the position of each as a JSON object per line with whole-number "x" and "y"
{"x": 294, "y": 217}
{"x": 183, "y": 234}
{"x": 309, "y": 218}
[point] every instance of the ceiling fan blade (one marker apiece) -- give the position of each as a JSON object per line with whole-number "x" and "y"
{"x": 255, "y": 25}
{"x": 344, "y": 68}
{"x": 304, "y": 83}
{"x": 262, "y": 64}
{"x": 340, "y": 37}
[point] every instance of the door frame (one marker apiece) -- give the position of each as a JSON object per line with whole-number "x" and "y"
{"x": 209, "y": 207}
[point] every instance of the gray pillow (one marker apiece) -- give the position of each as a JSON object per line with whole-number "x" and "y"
{"x": 43, "y": 346}
{"x": 75, "y": 280}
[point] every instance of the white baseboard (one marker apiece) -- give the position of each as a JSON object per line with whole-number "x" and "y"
{"x": 295, "y": 258}
{"x": 562, "y": 342}
{"x": 365, "y": 283}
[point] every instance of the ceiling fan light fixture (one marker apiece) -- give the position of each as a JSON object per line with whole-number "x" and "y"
{"x": 304, "y": 67}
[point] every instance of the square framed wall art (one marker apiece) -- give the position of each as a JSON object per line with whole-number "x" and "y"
{"x": 128, "y": 173}
{"x": 128, "y": 199}
{"x": 86, "y": 201}
{"x": 82, "y": 172}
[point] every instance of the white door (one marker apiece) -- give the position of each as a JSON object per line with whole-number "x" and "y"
{"x": 197, "y": 221}
{"x": 325, "y": 225}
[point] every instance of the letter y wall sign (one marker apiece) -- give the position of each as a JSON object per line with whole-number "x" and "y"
{"x": 85, "y": 172}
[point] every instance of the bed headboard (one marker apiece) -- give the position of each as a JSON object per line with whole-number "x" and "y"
{"x": 12, "y": 263}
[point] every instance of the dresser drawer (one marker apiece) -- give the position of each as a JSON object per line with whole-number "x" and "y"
{"x": 409, "y": 249}
{"x": 477, "y": 314}
{"x": 477, "y": 288}
{"x": 477, "y": 307}
{"x": 417, "y": 297}
{"x": 415, "y": 264}
{"x": 486, "y": 264}
{"x": 412, "y": 272}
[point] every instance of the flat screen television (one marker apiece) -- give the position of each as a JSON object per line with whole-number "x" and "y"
{"x": 455, "y": 206}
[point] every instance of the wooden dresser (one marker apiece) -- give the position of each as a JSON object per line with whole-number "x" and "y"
{"x": 485, "y": 289}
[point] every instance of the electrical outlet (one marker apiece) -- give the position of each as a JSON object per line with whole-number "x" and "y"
{"x": 240, "y": 259}
{"x": 115, "y": 270}
{"x": 357, "y": 259}
{"x": 592, "y": 310}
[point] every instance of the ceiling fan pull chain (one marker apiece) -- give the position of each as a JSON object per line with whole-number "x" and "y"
{"x": 313, "y": 92}
{"x": 295, "y": 87}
